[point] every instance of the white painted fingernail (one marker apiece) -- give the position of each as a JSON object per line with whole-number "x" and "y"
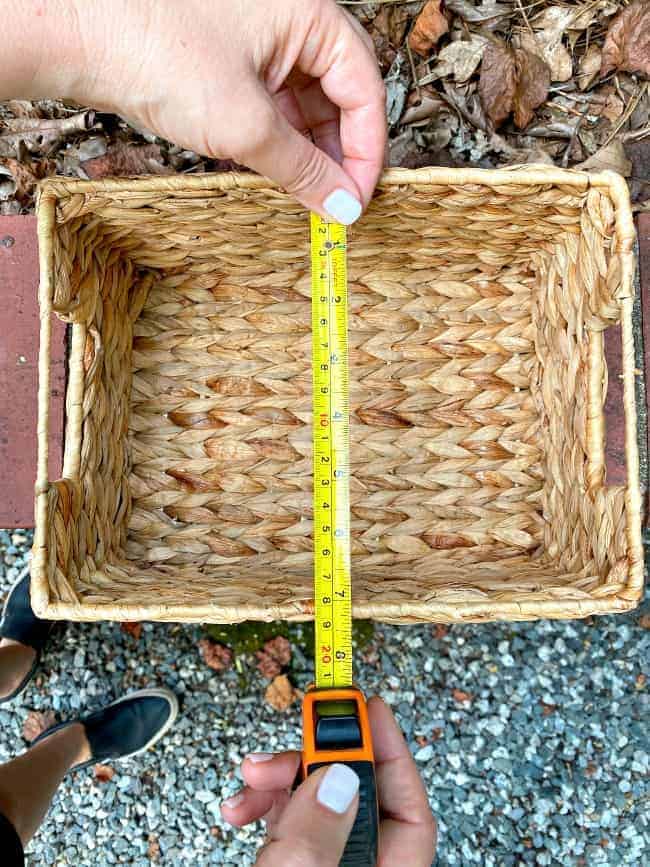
{"x": 259, "y": 757}
{"x": 343, "y": 207}
{"x": 233, "y": 802}
{"x": 338, "y": 788}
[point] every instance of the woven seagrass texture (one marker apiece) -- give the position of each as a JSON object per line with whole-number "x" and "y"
{"x": 477, "y": 306}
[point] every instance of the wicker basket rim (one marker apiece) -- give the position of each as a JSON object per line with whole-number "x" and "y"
{"x": 517, "y": 175}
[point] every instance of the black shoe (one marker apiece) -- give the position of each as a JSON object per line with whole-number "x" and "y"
{"x": 126, "y": 727}
{"x": 21, "y": 624}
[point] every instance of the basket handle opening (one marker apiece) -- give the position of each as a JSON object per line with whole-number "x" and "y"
{"x": 615, "y": 423}
{"x": 58, "y": 387}
{"x": 614, "y": 417}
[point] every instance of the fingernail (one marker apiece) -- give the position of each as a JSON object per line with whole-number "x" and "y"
{"x": 259, "y": 757}
{"x": 338, "y": 788}
{"x": 343, "y": 207}
{"x": 235, "y": 801}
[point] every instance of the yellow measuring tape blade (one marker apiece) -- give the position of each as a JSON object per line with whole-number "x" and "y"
{"x": 331, "y": 439}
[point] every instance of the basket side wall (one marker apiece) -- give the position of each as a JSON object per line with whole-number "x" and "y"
{"x": 85, "y": 514}
{"x": 587, "y": 523}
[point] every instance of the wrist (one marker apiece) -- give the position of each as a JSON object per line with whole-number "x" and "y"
{"x": 45, "y": 49}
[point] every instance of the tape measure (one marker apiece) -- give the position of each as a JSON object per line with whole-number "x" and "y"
{"x": 336, "y": 727}
{"x": 331, "y": 449}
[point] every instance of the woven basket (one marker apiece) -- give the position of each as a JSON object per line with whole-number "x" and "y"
{"x": 478, "y": 304}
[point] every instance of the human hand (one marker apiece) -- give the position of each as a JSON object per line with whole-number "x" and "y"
{"x": 302, "y": 831}
{"x": 229, "y": 79}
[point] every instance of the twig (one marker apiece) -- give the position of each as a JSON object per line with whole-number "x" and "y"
{"x": 574, "y": 136}
{"x": 617, "y": 85}
{"x": 626, "y": 114}
{"x": 523, "y": 15}
{"x": 414, "y": 74}
{"x": 580, "y": 10}
{"x": 591, "y": 98}
{"x": 566, "y": 109}
{"x": 637, "y": 134}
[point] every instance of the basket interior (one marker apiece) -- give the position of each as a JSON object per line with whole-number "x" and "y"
{"x": 475, "y": 333}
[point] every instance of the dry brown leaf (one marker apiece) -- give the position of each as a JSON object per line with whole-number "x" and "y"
{"x": 18, "y": 179}
{"x": 546, "y": 41}
{"x": 132, "y": 629}
{"x": 589, "y": 66}
{"x": 280, "y": 693}
{"x": 613, "y": 108}
{"x": 644, "y": 621}
{"x": 279, "y": 648}
{"x": 216, "y": 656}
{"x": 122, "y": 159}
{"x": 460, "y": 58}
{"x": 153, "y": 848}
{"x": 275, "y": 655}
{"x": 269, "y": 667}
{"x": 610, "y": 157}
{"x": 397, "y": 22}
{"x": 627, "y": 44}
{"x": 554, "y": 54}
{"x": 608, "y": 105}
{"x": 7, "y": 182}
{"x": 486, "y": 11}
{"x": 36, "y": 723}
{"x": 103, "y": 773}
{"x": 498, "y": 81}
{"x": 461, "y": 697}
{"x": 430, "y": 25}
{"x": 387, "y": 30}
{"x": 22, "y": 108}
{"x": 530, "y": 156}
{"x": 423, "y": 106}
{"x": 582, "y": 18}
{"x": 547, "y": 709}
{"x": 533, "y": 82}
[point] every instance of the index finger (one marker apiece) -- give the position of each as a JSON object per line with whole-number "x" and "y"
{"x": 349, "y": 76}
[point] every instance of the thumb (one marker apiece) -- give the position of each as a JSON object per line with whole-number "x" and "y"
{"x": 314, "y": 828}
{"x": 277, "y": 150}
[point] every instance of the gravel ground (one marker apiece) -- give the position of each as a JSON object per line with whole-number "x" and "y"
{"x": 532, "y": 739}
